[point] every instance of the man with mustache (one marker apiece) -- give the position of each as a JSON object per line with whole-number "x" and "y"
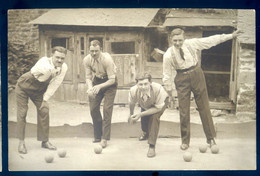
{"x": 101, "y": 81}
{"x": 153, "y": 99}
{"x": 182, "y": 57}
{"x": 39, "y": 84}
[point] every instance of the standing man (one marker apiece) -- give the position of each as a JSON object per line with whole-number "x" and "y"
{"x": 153, "y": 100}
{"x": 182, "y": 57}
{"x": 101, "y": 81}
{"x": 39, "y": 84}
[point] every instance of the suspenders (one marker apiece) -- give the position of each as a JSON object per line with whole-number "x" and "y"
{"x": 174, "y": 57}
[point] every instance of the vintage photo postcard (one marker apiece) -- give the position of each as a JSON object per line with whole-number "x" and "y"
{"x": 106, "y": 89}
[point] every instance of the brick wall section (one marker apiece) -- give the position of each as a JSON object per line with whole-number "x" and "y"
{"x": 246, "y": 99}
{"x": 21, "y": 32}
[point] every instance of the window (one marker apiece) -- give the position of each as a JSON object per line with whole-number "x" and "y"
{"x": 158, "y": 46}
{"x": 216, "y": 64}
{"x": 82, "y": 46}
{"x": 59, "y": 42}
{"x": 123, "y": 47}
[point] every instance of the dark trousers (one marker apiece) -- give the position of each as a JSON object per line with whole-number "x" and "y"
{"x": 185, "y": 83}
{"x": 28, "y": 87}
{"x": 102, "y": 128}
{"x": 151, "y": 124}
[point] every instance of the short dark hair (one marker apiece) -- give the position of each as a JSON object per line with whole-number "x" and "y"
{"x": 177, "y": 31}
{"x": 95, "y": 43}
{"x": 142, "y": 76}
{"x": 59, "y": 49}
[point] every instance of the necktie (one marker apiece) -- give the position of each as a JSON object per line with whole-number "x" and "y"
{"x": 182, "y": 54}
{"x": 145, "y": 97}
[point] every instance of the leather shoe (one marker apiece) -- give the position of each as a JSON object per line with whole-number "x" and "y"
{"x": 96, "y": 140}
{"x": 103, "y": 143}
{"x": 211, "y": 142}
{"x": 21, "y": 148}
{"x": 151, "y": 152}
{"x": 48, "y": 145}
{"x": 143, "y": 136}
{"x": 184, "y": 146}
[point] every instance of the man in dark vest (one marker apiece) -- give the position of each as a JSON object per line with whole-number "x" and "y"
{"x": 39, "y": 84}
{"x": 153, "y": 99}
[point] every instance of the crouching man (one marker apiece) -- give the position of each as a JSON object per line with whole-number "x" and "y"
{"x": 152, "y": 98}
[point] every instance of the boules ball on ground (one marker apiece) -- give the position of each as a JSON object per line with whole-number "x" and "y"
{"x": 62, "y": 153}
{"x": 203, "y": 148}
{"x": 187, "y": 156}
{"x": 98, "y": 149}
{"x": 49, "y": 158}
{"x": 215, "y": 149}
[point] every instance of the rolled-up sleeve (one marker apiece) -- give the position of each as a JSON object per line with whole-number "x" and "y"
{"x": 160, "y": 99}
{"x": 55, "y": 83}
{"x": 167, "y": 71}
{"x": 87, "y": 67}
{"x": 131, "y": 96}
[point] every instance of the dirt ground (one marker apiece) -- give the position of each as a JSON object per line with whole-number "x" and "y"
{"x": 71, "y": 128}
{"x": 130, "y": 154}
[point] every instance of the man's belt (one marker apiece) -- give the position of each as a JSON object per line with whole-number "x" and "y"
{"x": 101, "y": 77}
{"x": 187, "y": 70}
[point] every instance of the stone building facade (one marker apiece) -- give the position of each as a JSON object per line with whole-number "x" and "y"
{"x": 23, "y": 42}
{"x": 246, "y": 83}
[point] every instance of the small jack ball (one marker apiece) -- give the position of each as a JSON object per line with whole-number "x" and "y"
{"x": 203, "y": 148}
{"x": 62, "y": 153}
{"x": 214, "y": 149}
{"x": 98, "y": 149}
{"x": 49, "y": 158}
{"x": 187, "y": 156}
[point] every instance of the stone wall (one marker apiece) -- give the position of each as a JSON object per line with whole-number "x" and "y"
{"x": 23, "y": 42}
{"x": 246, "y": 99}
{"x": 19, "y": 29}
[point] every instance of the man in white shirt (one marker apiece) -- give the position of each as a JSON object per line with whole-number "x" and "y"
{"x": 182, "y": 57}
{"x": 39, "y": 84}
{"x": 153, "y": 99}
{"x": 101, "y": 81}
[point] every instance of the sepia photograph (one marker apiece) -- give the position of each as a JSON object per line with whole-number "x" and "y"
{"x": 131, "y": 89}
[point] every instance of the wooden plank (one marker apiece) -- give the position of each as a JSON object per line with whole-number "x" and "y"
{"x": 69, "y": 62}
{"x": 222, "y": 105}
{"x": 216, "y": 72}
{"x": 81, "y": 94}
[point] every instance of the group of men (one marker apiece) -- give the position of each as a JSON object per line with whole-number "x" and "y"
{"x": 40, "y": 83}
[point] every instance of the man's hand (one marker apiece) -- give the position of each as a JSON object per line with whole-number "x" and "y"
{"x": 91, "y": 93}
{"x": 96, "y": 89}
{"x": 44, "y": 105}
{"x": 236, "y": 33}
{"x": 134, "y": 118}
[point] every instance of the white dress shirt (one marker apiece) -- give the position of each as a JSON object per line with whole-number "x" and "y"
{"x": 172, "y": 58}
{"x": 45, "y": 68}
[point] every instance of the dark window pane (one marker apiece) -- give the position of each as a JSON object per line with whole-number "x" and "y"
{"x": 82, "y": 43}
{"x": 59, "y": 42}
{"x": 123, "y": 47}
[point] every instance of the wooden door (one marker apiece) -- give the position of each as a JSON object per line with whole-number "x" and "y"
{"x": 126, "y": 68}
